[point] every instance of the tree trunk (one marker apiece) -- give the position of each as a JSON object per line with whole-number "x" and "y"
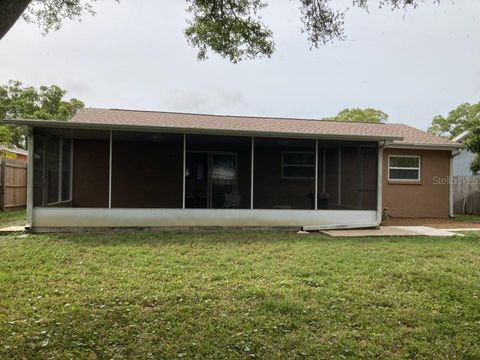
{"x": 10, "y": 11}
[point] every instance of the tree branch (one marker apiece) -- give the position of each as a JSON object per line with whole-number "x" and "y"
{"x": 10, "y": 11}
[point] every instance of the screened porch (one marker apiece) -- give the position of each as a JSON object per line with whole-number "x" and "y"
{"x": 117, "y": 169}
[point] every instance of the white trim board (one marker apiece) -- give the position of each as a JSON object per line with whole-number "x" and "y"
{"x": 424, "y": 147}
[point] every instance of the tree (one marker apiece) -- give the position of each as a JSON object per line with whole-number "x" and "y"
{"x": 361, "y": 115}
{"x": 458, "y": 120}
{"x": 472, "y": 143}
{"x": 10, "y": 11}
{"x": 231, "y": 28}
{"x": 20, "y": 102}
{"x": 464, "y": 117}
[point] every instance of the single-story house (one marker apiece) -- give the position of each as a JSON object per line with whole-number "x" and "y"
{"x": 123, "y": 168}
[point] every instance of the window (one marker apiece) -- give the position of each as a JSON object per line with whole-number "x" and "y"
{"x": 404, "y": 168}
{"x": 298, "y": 165}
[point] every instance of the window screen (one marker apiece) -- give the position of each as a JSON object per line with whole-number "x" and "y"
{"x": 52, "y": 167}
{"x": 284, "y": 174}
{"x": 298, "y": 165}
{"x": 66, "y": 169}
{"x": 405, "y": 168}
{"x": 38, "y": 174}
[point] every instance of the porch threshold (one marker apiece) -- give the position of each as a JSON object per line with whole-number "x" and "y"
{"x": 16, "y": 229}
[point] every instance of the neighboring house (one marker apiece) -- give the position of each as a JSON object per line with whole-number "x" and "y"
{"x": 19, "y": 154}
{"x": 121, "y": 168}
{"x": 462, "y": 158}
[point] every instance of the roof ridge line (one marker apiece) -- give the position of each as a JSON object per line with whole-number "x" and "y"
{"x": 237, "y": 116}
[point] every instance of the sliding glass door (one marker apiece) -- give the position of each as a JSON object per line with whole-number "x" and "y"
{"x": 212, "y": 180}
{"x": 223, "y": 181}
{"x": 196, "y": 181}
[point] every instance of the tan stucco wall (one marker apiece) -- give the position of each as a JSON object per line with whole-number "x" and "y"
{"x": 424, "y": 198}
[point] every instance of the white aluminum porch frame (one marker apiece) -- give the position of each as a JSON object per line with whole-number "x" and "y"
{"x": 30, "y": 179}
{"x": 60, "y": 169}
{"x": 110, "y": 154}
{"x": 184, "y": 169}
{"x": 41, "y": 217}
{"x": 252, "y": 163}
{"x": 316, "y": 175}
{"x": 339, "y": 195}
{"x": 373, "y": 222}
{"x": 450, "y": 187}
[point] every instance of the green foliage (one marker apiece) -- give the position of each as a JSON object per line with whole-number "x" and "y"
{"x": 12, "y": 218}
{"x": 468, "y": 218}
{"x": 20, "y": 102}
{"x": 472, "y": 142}
{"x": 475, "y": 164}
{"x": 361, "y": 115}
{"x": 238, "y": 295}
{"x": 458, "y": 120}
{"x": 321, "y": 23}
{"x": 50, "y": 14}
{"x": 465, "y": 117}
{"x": 231, "y": 28}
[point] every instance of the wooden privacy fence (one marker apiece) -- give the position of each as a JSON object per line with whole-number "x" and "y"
{"x": 466, "y": 195}
{"x": 13, "y": 184}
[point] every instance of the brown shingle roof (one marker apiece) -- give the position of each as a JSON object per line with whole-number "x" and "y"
{"x": 410, "y": 135}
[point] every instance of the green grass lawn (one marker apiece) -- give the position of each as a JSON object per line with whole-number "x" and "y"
{"x": 12, "y": 217}
{"x": 134, "y": 295}
{"x": 467, "y": 217}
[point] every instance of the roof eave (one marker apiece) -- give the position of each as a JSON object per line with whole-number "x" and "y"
{"x": 426, "y": 146}
{"x": 165, "y": 129}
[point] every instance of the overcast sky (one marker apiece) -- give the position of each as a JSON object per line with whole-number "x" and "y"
{"x": 133, "y": 55}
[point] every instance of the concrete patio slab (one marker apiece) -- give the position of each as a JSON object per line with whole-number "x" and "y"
{"x": 12, "y": 229}
{"x": 463, "y": 229}
{"x": 427, "y": 231}
{"x": 384, "y": 231}
{"x": 448, "y": 224}
{"x": 381, "y": 231}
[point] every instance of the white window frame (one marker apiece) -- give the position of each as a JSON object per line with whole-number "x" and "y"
{"x": 419, "y": 168}
{"x": 297, "y": 165}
